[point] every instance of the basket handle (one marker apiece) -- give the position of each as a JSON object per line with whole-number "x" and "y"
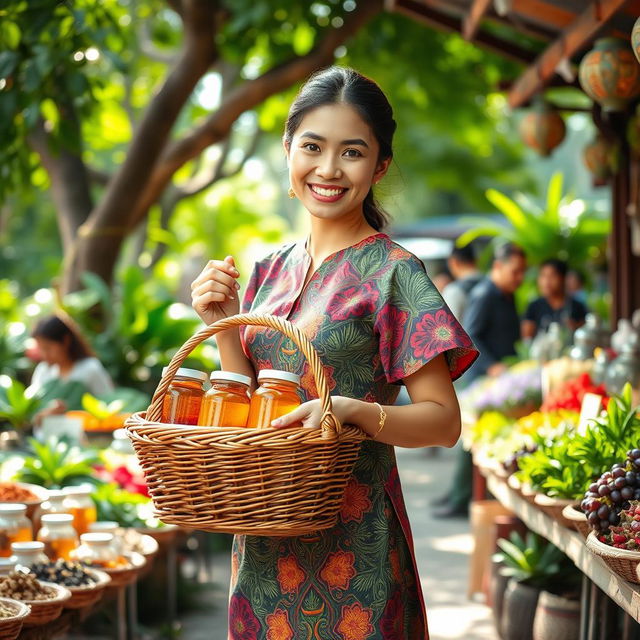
{"x": 329, "y": 424}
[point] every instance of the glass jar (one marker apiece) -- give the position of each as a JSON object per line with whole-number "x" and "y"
{"x": 78, "y": 502}
{"x": 227, "y": 403}
{"x": 14, "y": 527}
{"x": 276, "y": 396}
{"x": 58, "y": 535}
{"x": 96, "y": 549}
{"x": 7, "y": 566}
{"x": 54, "y": 503}
{"x": 181, "y": 404}
{"x": 106, "y": 526}
{"x": 26, "y": 554}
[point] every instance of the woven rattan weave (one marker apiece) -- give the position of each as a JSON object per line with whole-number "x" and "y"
{"x": 275, "y": 482}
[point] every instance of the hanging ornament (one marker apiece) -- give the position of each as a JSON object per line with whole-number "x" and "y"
{"x": 610, "y": 74}
{"x": 542, "y": 128}
{"x": 600, "y": 157}
{"x": 635, "y": 39}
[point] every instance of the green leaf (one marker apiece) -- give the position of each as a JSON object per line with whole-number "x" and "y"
{"x": 10, "y": 34}
{"x": 509, "y": 208}
{"x": 8, "y": 63}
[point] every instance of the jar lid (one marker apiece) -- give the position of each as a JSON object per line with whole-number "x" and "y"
{"x": 183, "y": 372}
{"x": 82, "y": 490}
{"x": 103, "y": 526}
{"x": 9, "y": 509}
{"x": 56, "y": 495}
{"x": 96, "y": 538}
{"x": 276, "y": 374}
{"x": 229, "y": 376}
{"x": 21, "y": 547}
{"x": 57, "y": 518}
{"x": 7, "y": 563}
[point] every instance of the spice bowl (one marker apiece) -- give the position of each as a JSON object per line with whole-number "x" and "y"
{"x": 88, "y": 595}
{"x": 11, "y": 626}
{"x": 128, "y": 574}
{"x": 44, "y": 611}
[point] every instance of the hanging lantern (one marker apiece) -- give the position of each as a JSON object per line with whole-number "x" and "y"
{"x": 610, "y": 74}
{"x": 635, "y": 39}
{"x": 542, "y": 128}
{"x": 600, "y": 157}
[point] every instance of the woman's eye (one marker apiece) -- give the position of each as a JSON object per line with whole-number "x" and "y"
{"x": 311, "y": 146}
{"x": 352, "y": 153}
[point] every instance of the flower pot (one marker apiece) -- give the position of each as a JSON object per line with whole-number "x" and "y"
{"x": 519, "y": 610}
{"x": 557, "y": 618}
{"x": 574, "y": 514}
{"x": 497, "y": 587}
{"x": 554, "y": 508}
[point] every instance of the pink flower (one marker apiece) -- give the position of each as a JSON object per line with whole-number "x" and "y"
{"x": 391, "y": 325}
{"x": 436, "y": 333}
{"x": 243, "y": 624}
{"x": 354, "y": 301}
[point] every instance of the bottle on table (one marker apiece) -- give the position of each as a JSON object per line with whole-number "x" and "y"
{"x": 14, "y": 527}
{"x": 58, "y": 535}
{"x": 78, "y": 502}
{"x": 97, "y": 550}
{"x": 181, "y": 404}
{"x": 227, "y": 403}
{"x": 276, "y": 396}
{"x": 108, "y": 526}
{"x": 26, "y": 554}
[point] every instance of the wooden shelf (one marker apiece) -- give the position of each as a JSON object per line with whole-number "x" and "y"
{"x": 625, "y": 594}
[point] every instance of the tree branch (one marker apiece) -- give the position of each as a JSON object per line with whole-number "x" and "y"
{"x": 98, "y": 176}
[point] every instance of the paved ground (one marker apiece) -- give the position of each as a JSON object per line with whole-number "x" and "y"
{"x": 443, "y": 549}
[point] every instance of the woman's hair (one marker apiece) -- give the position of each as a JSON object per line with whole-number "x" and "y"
{"x": 56, "y": 328}
{"x": 341, "y": 85}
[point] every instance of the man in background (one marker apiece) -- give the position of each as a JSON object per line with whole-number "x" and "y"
{"x": 462, "y": 266}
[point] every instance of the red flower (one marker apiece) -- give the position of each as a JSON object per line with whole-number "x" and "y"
{"x": 392, "y": 621}
{"x": 437, "y": 333}
{"x": 308, "y": 382}
{"x": 354, "y": 301}
{"x": 290, "y": 574}
{"x": 355, "y": 622}
{"x": 391, "y": 326}
{"x": 243, "y": 624}
{"x": 356, "y": 501}
{"x": 278, "y": 627}
{"x": 338, "y": 570}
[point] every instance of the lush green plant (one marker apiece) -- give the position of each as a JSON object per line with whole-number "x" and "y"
{"x": 57, "y": 463}
{"x": 120, "y": 400}
{"x": 117, "y": 505}
{"x": 13, "y": 332}
{"x": 535, "y": 562}
{"x": 17, "y": 406}
{"x": 559, "y": 229}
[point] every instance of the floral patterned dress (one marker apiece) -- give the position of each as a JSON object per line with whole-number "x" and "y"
{"x": 375, "y": 317}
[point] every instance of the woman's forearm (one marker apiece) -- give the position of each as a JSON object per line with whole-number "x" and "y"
{"x": 232, "y": 356}
{"x": 422, "y": 424}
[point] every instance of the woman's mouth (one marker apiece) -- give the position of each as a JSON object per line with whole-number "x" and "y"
{"x": 326, "y": 193}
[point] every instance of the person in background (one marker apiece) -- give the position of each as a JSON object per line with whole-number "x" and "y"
{"x": 554, "y": 303}
{"x": 575, "y": 286}
{"x": 67, "y": 357}
{"x": 463, "y": 267}
{"x": 492, "y": 321}
{"x": 442, "y": 280}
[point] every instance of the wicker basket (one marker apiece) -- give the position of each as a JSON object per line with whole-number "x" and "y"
{"x": 554, "y": 508}
{"x": 88, "y": 595}
{"x": 574, "y": 514}
{"x": 128, "y": 574}
{"x": 620, "y": 561}
{"x": 10, "y": 627}
{"x": 44, "y": 611}
{"x": 272, "y": 482}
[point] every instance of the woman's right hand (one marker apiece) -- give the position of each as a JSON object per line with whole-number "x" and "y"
{"x": 214, "y": 293}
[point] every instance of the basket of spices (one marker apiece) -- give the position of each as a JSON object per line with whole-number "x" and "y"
{"x": 30, "y": 495}
{"x": 85, "y": 584}
{"x": 234, "y": 479}
{"x": 12, "y": 616}
{"x": 46, "y": 599}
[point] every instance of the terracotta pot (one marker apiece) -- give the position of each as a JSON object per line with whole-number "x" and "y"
{"x": 519, "y": 610}
{"x": 610, "y": 74}
{"x": 557, "y": 618}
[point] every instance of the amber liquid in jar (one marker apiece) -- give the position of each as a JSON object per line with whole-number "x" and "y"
{"x": 183, "y": 399}
{"x": 276, "y": 396}
{"x": 227, "y": 403}
{"x": 23, "y": 534}
{"x": 60, "y": 548}
{"x": 82, "y": 518}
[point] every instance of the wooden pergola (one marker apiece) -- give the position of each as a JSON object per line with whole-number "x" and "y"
{"x": 549, "y": 38}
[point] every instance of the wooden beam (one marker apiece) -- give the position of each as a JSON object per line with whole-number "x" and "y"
{"x": 574, "y": 38}
{"x": 472, "y": 20}
{"x": 432, "y": 18}
{"x": 543, "y": 13}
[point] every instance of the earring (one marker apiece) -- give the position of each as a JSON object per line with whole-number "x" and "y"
{"x": 292, "y": 193}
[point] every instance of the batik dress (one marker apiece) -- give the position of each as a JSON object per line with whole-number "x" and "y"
{"x": 374, "y": 317}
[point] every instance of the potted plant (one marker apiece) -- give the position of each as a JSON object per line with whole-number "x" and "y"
{"x": 17, "y": 406}
{"x": 532, "y": 565}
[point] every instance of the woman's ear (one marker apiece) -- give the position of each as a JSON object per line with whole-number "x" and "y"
{"x": 381, "y": 170}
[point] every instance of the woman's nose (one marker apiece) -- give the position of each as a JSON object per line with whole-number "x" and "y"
{"x": 328, "y": 168}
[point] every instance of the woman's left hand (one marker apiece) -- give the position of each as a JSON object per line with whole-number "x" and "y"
{"x": 310, "y": 413}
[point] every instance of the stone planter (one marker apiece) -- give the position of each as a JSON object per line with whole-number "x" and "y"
{"x": 557, "y": 618}
{"x": 519, "y": 610}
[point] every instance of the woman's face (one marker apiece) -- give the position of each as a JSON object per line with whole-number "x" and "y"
{"x": 333, "y": 161}
{"x": 52, "y": 352}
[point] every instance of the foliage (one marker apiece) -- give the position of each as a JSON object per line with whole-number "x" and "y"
{"x": 120, "y": 400}
{"x": 117, "y": 505}
{"x": 535, "y": 562}
{"x": 559, "y": 229}
{"x": 57, "y": 463}
{"x": 17, "y": 407}
{"x": 13, "y": 332}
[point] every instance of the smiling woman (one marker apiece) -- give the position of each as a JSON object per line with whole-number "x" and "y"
{"x": 377, "y": 321}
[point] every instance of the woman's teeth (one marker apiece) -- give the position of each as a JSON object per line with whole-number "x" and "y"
{"x": 327, "y": 192}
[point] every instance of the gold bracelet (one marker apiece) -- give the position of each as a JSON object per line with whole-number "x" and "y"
{"x": 383, "y": 417}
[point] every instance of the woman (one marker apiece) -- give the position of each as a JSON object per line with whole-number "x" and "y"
{"x": 66, "y": 356}
{"x": 377, "y": 321}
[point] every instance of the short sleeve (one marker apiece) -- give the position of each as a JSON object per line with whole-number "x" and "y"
{"x": 531, "y": 312}
{"x": 414, "y": 325}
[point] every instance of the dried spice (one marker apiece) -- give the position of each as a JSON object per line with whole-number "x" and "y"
{"x": 6, "y": 612}
{"x": 11, "y": 492}
{"x": 67, "y": 574}
{"x": 24, "y": 586}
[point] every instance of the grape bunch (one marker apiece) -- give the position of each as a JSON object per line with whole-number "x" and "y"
{"x": 511, "y": 463}
{"x": 612, "y": 493}
{"x": 627, "y": 534}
